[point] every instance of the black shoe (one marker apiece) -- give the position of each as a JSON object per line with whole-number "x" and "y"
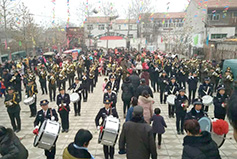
{"x": 66, "y": 130}
{"x": 178, "y": 132}
{"x": 169, "y": 116}
{"x": 63, "y": 130}
{"x": 75, "y": 114}
{"x": 18, "y": 130}
{"x": 172, "y": 116}
{"x": 31, "y": 116}
{"x": 182, "y": 133}
{"x": 42, "y": 93}
{"x": 79, "y": 114}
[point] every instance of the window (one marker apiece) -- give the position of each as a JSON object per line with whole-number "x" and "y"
{"x": 90, "y": 27}
{"x": 130, "y": 35}
{"x": 110, "y": 26}
{"x": 119, "y": 27}
{"x": 130, "y": 26}
{"x": 214, "y": 17}
{"x": 218, "y": 36}
{"x": 101, "y": 27}
{"x": 235, "y": 14}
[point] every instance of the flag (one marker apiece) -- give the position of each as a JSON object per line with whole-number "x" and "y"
{"x": 195, "y": 40}
{"x": 207, "y": 42}
{"x": 20, "y": 43}
{"x": 5, "y": 44}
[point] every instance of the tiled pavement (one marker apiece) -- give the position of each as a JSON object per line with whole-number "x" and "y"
{"x": 171, "y": 144}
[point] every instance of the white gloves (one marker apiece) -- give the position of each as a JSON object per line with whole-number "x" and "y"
{"x": 34, "y": 96}
{"x": 166, "y": 93}
{"x": 36, "y": 127}
{"x": 98, "y": 127}
{"x": 79, "y": 91}
{"x": 52, "y": 118}
{"x": 223, "y": 105}
{"x": 182, "y": 105}
{"x": 26, "y": 96}
{"x": 60, "y": 105}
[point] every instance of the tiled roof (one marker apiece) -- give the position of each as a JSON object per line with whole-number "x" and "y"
{"x": 168, "y": 15}
{"x": 106, "y": 20}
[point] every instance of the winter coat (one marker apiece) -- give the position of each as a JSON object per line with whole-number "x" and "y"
{"x": 203, "y": 88}
{"x": 158, "y": 125}
{"x": 192, "y": 83}
{"x": 217, "y": 101}
{"x": 135, "y": 80}
{"x": 138, "y": 137}
{"x": 146, "y": 103}
{"x": 192, "y": 114}
{"x": 178, "y": 104}
{"x": 71, "y": 152}
{"x": 141, "y": 88}
{"x": 127, "y": 91}
{"x": 146, "y": 76}
{"x": 11, "y": 147}
{"x": 200, "y": 147}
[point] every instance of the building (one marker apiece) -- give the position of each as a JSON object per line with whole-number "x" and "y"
{"x": 208, "y": 21}
{"x": 162, "y": 30}
{"x": 103, "y": 31}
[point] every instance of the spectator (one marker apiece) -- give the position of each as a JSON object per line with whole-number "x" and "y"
{"x": 198, "y": 145}
{"x": 134, "y": 102}
{"x": 135, "y": 80}
{"x": 143, "y": 87}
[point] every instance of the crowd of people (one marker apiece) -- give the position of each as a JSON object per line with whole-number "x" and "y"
{"x": 138, "y": 75}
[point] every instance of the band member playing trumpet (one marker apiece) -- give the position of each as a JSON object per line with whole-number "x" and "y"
{"x": 63, "y": 101}
{"x": 77, "y": 88}
{"x": 103, "y": 113}
{"x": 42, "y": 80}
{"x": 181, "y": 104}
{"x": 205, "y": 89}
{"x": 16, "y": 83}
{"x": 220, "y": 103}
{"x": 172, "y": 88}
{"x": 227, "y": 81}
{"x": 52, "y": 86}
{"x": 163, "y": 83}
{"x": 84, "y": 80}
{"x": 44, "y": 114}
{"x": 31, "y": 91}
{"x": 12, "y": 100}
{"x": 192, "y": 86}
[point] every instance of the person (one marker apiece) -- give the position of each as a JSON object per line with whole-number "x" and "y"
{"x": 138, "y": 137}
{"x": 181, "y": 104}
{"x": 16, "y": 83}
{"x": 154, "y": 76}
{"x": 112, "y": 83}
{"x": 104, "y": 84}
{"x": 52, "y": 86}
{"x": 127, "y": 94}
{"x": 232, "y": 111}
{"x": 2, "y": 87}
{"x": 172, "y": 88}
{"x": 135, "y": 80}
{"x": 10, "y": 145}
{"x": 134, "y": 102}
{"x": 145, "y": 75}
{"x": 6, "y": 78}
{"x": 143, "y": 87}
{"x": 12, "y": 100}
{"x": 197, "y": 111}
{"x": 198, "y": 145}
{"x": 42, "y": 115}
{"x": 76, "y": 87}
{"x": 43, "y": 81}
{"x": 181, "y": 77}
{"x": 85, "y": 86}
{"x": 158, "y": 126}
{"x": 146, "y": 102}
{"x": 205, "y": 89}
{"x": 63, "y": 101}
{"x": 31, "y": 91}
{"x": 111, "y": 95}
{"x": 192, "y": 86}
{"x": 79, "y": 148}
{"x": 103, "y": 113}
{"x": 220, "y": 103}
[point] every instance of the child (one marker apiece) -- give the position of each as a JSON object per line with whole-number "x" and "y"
{"x": 3, "y": 88}
{"x": 158, "y": 126}
{"x": 104, "y": 84}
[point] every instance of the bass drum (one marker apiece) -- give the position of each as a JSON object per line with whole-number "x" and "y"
{"x": 48, "y": 135}
{"x": 74, "y": 97}
{"x": 171, "y": 99}
{"x": 207, "y": 100}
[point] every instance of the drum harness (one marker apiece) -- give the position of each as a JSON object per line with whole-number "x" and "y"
{"x": 62, "y": 106}
{"x": 206, "y": 92}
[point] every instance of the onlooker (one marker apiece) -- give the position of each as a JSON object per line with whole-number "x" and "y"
{"x": 134, "y": 102}
{"x": 146, "y": 102}
{"x": 10, "y": 145}
{"x": 135, "y": 80}
{"x": 143, "y": 87}
{"x": 78, "y": 148}
{"x": 138, "y": 137}
{"x": 198, "y": 145}
{"x": 158, "y": 126}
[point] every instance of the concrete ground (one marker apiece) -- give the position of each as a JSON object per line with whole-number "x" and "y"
{"x": 171, "y": 144}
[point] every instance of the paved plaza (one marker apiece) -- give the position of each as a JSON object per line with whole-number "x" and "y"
{"x": 171, "y": 147}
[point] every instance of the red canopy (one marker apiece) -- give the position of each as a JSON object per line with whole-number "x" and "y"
{"x": 111, "y": 38}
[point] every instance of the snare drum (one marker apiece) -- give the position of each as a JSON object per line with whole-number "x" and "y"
{"x": 171, "y": 99}
{"x": 207, "y": 100}
{"x": 74, "y": 97}
{"x": 48, "y": 135}
{"x": 108, "y": 136}
{"x": 29, "y": 101}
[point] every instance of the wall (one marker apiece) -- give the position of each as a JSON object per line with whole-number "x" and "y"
{"x": 230, "y": 31}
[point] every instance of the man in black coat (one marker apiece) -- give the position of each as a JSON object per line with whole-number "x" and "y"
{"x": 52, "y": 86}
{"x": 220, "y": 103}
{"x": 197, "y": 111}
{"x": 31, "y": 91}
{"x": 163, "y": 84}
{"x": 63, "y": 101}
{"x": 16, "y": 83}
{"x": 181, "y": 108}
{"x": 43, "y": 81}
{"x": 12, "y": 100}
{"x": 154, "y": 76}
{"x": 135, "y": 80}
{"x": 7, "y": 77}
{"x": 42, "y": 115}
{"x": 84, "y": 84}
{"x": 111, "y": 96}
{"x": 192, "y": 86}
{"x": 103, "y": 113}
{"x": 112, "y": 83}
{"x": 143, "y": 87}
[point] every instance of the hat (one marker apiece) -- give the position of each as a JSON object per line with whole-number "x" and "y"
{"x": 30, "y": 80}
{"x": 173, "y": 77}
{"x": 107, "y": 101}
{"x": 10, "y": 88}
{"x": 228, "y": 68}
{"x": 221, "y": 87}
{"x": 207, "y": 79}
{"x": 197, "y": 101}
{"x": 138, "y": 111}
{"x": 108, "y": 88}
{"x": 112, "y": 77}
{"x": 182, "y": 89}
{"x": 143, "y": 80}
{"x": 76, "y": 78}
{"x": 83, "y": 136}
{"x": 163, "y": 71}
{"x": 44, "y": 102}
{"x": 61, "y": 88}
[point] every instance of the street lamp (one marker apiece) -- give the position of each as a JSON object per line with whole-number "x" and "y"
{"x": 108, "y": 27}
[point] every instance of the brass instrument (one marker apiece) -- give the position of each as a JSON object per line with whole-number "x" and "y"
{"x": 52, "y": 80}
{"x": 13, "y": 78}
{"x": 230, "y": 78}
{"x": 12, "y": 101}
{"x": 84, "y": 77}
{"x": 70, "y": 68}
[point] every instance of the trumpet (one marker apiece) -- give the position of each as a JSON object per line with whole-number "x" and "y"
{"x": 13, "y": 78}
{"x": 229, "y": 77}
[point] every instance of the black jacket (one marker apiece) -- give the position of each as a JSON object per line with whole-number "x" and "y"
{"x": 179, "y": 109}
{"x": 192, "y": 83}
{"x": 192, "y": 114}
{"x": 200, "y": 147}
{"x": 203, "y": 88}
{"x": 40, "y": 117}
{"x": 112, "y": 98}
{"x": 135, "y": 80}
{"x": 163, "y": 80}
{"x": 11, "y": 147}
{"x": 172, "y": 88}
{"x": 64, "y": 100}
{"x": 127, "y": 91}
{"x": 141, "y": 88}
{"x": 103, "y": 113}
{"x": 217, "y": 101}
{"x": 72, "y": 152}
{"x": 15, "y": 107}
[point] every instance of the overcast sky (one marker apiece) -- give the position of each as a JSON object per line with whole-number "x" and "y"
{"x": 43, "y": 9}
